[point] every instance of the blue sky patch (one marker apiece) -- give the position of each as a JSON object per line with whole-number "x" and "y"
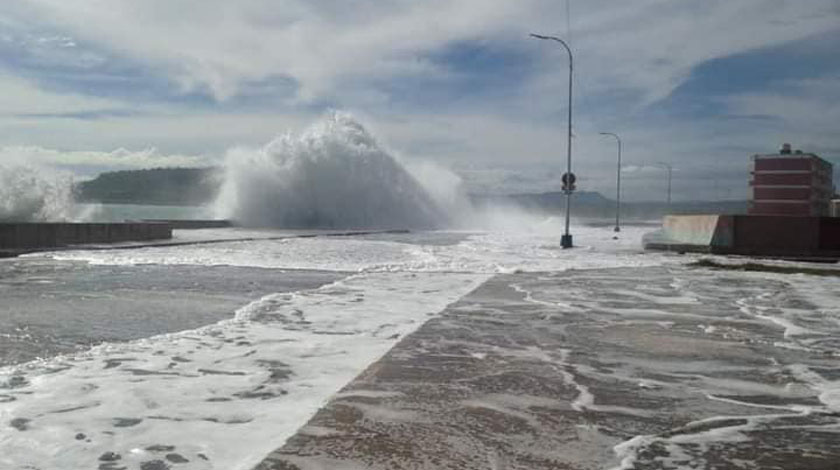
{"x": 773, "y": 69}
{"x": 472, "y": 72}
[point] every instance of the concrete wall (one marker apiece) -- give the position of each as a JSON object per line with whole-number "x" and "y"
{"x": 765, "y": 234}
{"x": 50, "y": 235}
{"x": 830, "y": 234}
{"x": 698, "y": 229}
{"x": 754, "y": 235}
{"x": 789, "y": 208}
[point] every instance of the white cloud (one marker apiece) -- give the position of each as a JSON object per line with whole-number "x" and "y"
{"x": 176, "y": 132}
{"x": 221, "y": 44}
{"x": 20, "y": 96}
{"x": 120, "y": 158}
{"x": 809, "y": 110}
{"x": 653, "y": 45}
{"x": 648, "y": 45}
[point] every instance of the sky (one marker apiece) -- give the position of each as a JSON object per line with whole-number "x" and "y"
{"x": 93, "y": 85}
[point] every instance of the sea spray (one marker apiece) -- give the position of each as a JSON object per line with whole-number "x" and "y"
{"x": 30, "y": 194}
{"x": 334, "y": 175}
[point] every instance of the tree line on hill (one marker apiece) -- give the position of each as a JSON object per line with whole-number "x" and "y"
{"x": 157, "y": 186}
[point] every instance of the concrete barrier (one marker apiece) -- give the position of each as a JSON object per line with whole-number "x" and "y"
{"x": 712, "y": 230}
{"x": 30, "y": 236}
{"x": 751, "y": 235}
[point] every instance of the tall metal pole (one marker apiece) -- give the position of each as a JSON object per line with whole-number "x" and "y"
{"x": 670, "y": 171}
{"x": 617, "y": 182}
{"x": 566, "y": 241}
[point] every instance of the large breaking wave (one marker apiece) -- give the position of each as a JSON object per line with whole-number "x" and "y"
{"x": 334, "y": 175}
{"x": 29, "y": 194}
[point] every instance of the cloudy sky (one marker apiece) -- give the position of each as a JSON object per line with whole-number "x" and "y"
{"x": 89, "y": 85}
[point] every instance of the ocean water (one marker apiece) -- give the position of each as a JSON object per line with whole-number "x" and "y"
{"x": 54, "y": 307}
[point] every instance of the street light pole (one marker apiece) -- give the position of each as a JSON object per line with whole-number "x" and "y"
{"x": 670, "y": 171}
{"x": 566, "y": 241}
{"x": 617, "y": 182}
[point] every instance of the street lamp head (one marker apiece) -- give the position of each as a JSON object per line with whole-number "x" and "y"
{"x": 555, "y": 38}
{"x": 540, "y": 36}
{"x": 613, "y": 134}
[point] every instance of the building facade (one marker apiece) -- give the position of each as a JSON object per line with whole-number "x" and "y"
{"x": 791, "y": 183}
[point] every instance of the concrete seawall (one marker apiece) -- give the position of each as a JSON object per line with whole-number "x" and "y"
{"x": 23, "y": 237}
{"x": 751, "y": 235}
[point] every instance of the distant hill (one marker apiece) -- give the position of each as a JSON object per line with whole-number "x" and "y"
{"x": 160, "y": 186}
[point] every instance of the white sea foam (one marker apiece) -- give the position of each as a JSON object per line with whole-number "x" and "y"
{"x": 806, "y": 326}
{"x": 222, "y": 396}
{"x": 828, "y": 390}
{"x": 484, "y": 252}
{"x": 32, "y": 194}
{"x": 780, "y": 301}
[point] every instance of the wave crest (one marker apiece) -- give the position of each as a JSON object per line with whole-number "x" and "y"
{"x": 332, "y": 176}
{"x": 28, "y": 194}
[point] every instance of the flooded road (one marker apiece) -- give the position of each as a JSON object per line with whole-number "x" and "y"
{"x": 631, "y": 368}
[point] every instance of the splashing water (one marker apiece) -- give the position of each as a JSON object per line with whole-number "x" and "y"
{"x": 334, "y": 175}
{"x": 28, "y": 194}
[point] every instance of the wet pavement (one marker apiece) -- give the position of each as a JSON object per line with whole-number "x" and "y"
{"x": 642, "y": 368}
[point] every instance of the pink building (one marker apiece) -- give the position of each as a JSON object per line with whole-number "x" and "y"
{"x": 791, "y": 183}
